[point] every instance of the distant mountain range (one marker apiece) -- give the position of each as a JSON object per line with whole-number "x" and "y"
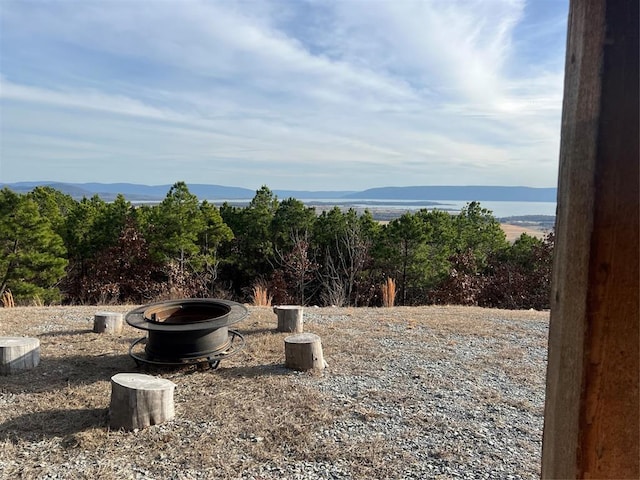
{"x": 136, "y": 192}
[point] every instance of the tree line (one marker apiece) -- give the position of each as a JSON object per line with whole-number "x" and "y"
{"x": 59, "y": 250}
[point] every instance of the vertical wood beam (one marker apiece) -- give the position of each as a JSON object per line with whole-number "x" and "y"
{"x": 592, "y": 406}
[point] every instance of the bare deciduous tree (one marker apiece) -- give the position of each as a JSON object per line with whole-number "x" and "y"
{"x": 297, "y": 265}
{"x": 343, "y": 264}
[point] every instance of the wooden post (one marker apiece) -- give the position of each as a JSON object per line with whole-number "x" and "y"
{"x": 290, "y": 318}
{"x": 592, "y": 406}
{"x": 304, "y": 352}
{"x": 107, "y": 322}
{"x": 18, "y": 353}
{"x": 138, "y": 401}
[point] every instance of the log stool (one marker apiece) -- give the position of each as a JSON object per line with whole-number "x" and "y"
{"x": 107, "y": 322}
{"x": 289, "y": 318}
{"x": 139, "y": 400}
{"x": 304, "y": 352}
{"x": 18, "y": 353}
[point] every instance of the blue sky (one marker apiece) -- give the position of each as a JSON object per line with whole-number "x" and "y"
{"x": 293, "y": 94}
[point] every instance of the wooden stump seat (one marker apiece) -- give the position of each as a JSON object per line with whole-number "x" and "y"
{"x": 18, "y": 353}
{"x": 290, "y": 318}
{"x": 304, "y": 352}
{"x": 139, "y": 400}
{"x": 108, "y": 322}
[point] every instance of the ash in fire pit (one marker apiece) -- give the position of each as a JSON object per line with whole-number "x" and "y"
{"x": 187, "y": 331}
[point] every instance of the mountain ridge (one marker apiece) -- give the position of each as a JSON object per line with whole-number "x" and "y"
{"x": 140, "y": 192}
{"x": 461, "y": 192}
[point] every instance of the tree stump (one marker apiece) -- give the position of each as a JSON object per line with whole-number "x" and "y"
{"x": 289, "y": 318}
{"x": 107, "y": 322}
{"x": 18, "y": 353}
{"x": 139, "y": 400}
{"x": 304, "y": 352}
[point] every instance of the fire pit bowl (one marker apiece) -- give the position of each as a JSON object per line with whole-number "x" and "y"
{"x": 187, "y": 331}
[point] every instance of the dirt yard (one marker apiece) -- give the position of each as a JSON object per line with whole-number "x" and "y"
{"x": 424, "y": 392}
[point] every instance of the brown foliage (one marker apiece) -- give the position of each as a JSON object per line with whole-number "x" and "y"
{"x": 513, "y": 284}
{"x": 508, "y": 283}
{"x": 280, "y": 289}
{"x": 463, "y": 285}
{"x": 122, "y": 273}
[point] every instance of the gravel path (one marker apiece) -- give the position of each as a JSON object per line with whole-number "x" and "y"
{"x": 409, "y": 393}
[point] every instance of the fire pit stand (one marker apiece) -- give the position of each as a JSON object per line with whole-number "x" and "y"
{"x": 190, "y": 331}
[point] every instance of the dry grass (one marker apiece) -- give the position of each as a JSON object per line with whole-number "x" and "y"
{"x": 513, "y": 232}
{"x": 388, "y": 293}
{"x": 250, "y": 410}
{"x": 7, "y": 299}
{"x": 260, "y": 296}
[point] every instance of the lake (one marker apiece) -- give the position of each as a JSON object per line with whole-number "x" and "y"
{"x": 499, "y": 209}
{"x": 397, "y": 207}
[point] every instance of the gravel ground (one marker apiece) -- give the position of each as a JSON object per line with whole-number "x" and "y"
{"x": 409, "y": 393}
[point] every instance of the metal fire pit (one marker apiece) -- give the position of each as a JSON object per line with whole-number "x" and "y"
{"x": 186, "y": 331}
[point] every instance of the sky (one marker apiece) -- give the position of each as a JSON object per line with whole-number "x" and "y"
{"x": 292, "y": 94}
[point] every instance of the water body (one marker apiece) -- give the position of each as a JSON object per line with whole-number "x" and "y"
{"x": 499, "y": 209}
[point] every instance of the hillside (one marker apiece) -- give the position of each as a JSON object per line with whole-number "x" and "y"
{"x": 137, "y": 192}
{"x": 469, "y": 193}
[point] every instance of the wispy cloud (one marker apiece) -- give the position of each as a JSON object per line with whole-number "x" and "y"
{"x": 322, "y": 94}
{"x": 80, "y": 100}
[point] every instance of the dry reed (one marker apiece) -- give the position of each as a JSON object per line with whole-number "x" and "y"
{"x": 388, "y": 293}
{"x": 260, "y": 295}
{"x": 7, "y": 299}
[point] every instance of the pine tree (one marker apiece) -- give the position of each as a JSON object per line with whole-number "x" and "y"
{"x": 32, "y": 255}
